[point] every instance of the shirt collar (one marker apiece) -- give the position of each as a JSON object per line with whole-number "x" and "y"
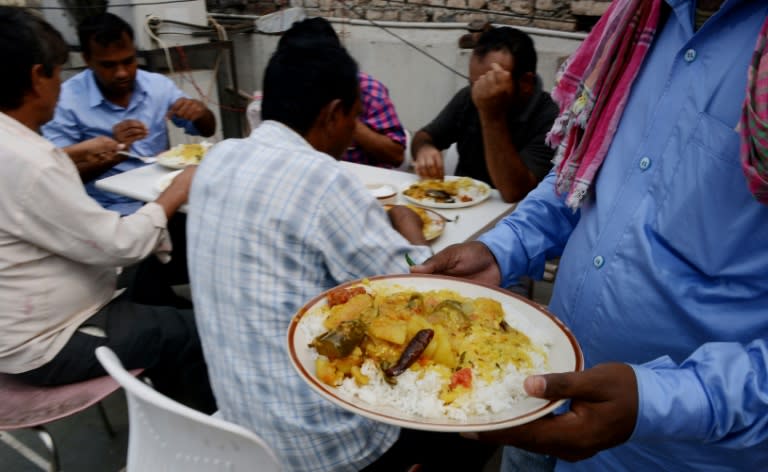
{"x": 95, "y": 97}
{"x": 690, "y": 5}
{"x": 13, "y": 127}
{"x": 290, "y": 136}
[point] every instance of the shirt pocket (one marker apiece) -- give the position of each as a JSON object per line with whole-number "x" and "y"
{"x": 713, "y": 139}
{"x": 706, "y": 217}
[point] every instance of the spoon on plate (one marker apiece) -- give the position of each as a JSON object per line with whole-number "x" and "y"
{"x": 146, "y": 160}
{"x": 445, "y": 218}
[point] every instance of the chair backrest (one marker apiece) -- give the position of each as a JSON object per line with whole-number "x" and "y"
{"x": 167, "y": 436}
{"x": 407, "y": 164}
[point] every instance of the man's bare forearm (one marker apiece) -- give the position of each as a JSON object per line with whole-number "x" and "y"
{"x": 380, "y": 146}
{"x": 420, "y": 139}
{"x": 90, "y": 165}
{"x": 508, "y": 172}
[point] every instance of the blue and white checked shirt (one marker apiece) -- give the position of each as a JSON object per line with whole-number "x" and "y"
{"x": 669, "y": 260}
{"x": 83, "y": 113}
{"x": 272, "y": 223}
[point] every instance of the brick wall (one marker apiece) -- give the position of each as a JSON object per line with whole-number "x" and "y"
{"x": 564, "y": 15}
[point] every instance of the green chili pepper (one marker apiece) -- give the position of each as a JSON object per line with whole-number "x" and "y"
{"x": 409, "y": 260}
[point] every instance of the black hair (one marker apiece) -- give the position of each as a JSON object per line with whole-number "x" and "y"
{"x": 300, "y": 81}
{"x": 512, "y": 40}
{"x": 311, "y": 32}
{"x": 104, "y": 29}
{"x": 25, "y": 41}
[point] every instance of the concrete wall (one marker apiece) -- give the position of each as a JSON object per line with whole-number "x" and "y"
{"x": 418, "y": 85}
{"x": 564, "y": 15}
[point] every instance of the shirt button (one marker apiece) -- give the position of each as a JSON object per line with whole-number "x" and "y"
{"x": 598, "y": 261}
{"x": 690, "y": 55}
{"x": 645, "y": 163}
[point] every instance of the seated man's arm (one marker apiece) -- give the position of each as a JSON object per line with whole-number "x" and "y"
{"x": 177, "y": 192}
{"x": 492, "y": 94}
{"x": 61, "y": 218}
{"x": 95, "y": 156}
{"x": 195, "y": 112}
{"x": 379, "y": 132}
{"x": 408, "y": 223}
{"x": 427, "y": 158}
{"x": 92, "y": 157}
{"x": 380, "y": 146}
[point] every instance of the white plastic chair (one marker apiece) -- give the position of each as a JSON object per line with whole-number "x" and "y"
{"x": 167, "y": 436}
{"x": 407, "y": 164}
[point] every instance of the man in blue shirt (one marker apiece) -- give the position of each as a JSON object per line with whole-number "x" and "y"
{"x": 664, "y": 269}
{"x": 113, "y": 99}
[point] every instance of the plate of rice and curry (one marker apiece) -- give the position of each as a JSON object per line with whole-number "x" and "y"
{"x": 430, "y": 352}
{"x": 433, "y": 224}
{"x": 183, "y": 155}
{"x": 451, "y": 192}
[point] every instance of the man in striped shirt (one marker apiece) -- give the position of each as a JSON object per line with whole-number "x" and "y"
{"x": 379, "y": 137}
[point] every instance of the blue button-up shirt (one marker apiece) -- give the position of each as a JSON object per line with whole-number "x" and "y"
{"x": 273, "y": 223}
{"x": 666, "y": 266}
{"x": 83, "y": 113}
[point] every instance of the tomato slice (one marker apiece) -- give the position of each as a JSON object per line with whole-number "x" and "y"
{"x": 462, "y": 377}
{"x": 340, "y": 296}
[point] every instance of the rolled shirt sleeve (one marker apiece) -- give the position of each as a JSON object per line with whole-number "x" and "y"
{"x": 64, "y": 129}
{"x": 58, "y": 216}
{"x": 718, "y": 395}
{"x": 536, "y": 231}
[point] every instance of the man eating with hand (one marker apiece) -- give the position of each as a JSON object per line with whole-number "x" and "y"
{"x": 124, "y": 107}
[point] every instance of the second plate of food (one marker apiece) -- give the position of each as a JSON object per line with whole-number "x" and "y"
{"x": 452, "y": 192}
{"x": 433, "y": 224}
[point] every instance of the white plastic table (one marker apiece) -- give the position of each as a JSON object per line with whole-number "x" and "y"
{"x": 141, "y": 184}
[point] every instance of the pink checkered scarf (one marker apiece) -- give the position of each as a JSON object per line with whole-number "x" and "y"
{"x": 754, "y": 121}
{"x": 593, "y": 86}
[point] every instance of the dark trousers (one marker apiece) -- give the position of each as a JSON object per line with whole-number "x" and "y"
{"x": 161, "y": 339}
{"x": 149, "y": 282}
{"x": 434, "y": 452}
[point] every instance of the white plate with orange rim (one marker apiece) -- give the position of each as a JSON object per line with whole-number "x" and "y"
{"x": 451, "y": 192}
{"x": 433, "y": 223}
{"x": 564, "y": 355}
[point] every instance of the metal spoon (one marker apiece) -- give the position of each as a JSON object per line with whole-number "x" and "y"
{"x": 146, "y": 160}
{"x": 445, "y": 218}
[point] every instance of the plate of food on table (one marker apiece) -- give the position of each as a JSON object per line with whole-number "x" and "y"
{"x": 433, "y": 222}
{"x": 183, "y": 155}
{"x": 451, "y": 192}
{"x": 430, "y": 352}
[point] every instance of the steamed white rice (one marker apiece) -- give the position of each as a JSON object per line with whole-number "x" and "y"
{"x": 417, "y": 391}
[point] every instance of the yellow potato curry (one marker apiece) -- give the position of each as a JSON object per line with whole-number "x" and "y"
{"x": 460, "y": 338}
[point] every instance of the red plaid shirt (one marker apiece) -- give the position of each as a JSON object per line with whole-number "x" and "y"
{"x": 379, "y": 115}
